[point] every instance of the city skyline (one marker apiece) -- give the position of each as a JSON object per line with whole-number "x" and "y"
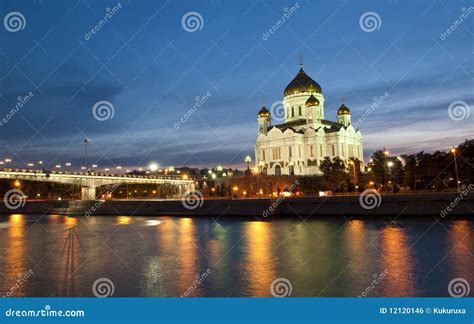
{"x": 151, "y": 69}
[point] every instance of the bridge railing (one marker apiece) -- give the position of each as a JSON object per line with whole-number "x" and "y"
{"x": 92, "y": 174}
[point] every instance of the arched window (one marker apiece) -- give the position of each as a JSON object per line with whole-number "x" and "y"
{"x": 277, "y": 170}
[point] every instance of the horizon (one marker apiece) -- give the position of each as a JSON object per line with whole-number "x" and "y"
{"x": 152, "y": 69}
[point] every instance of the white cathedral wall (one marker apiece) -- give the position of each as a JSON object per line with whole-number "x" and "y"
{"x": 311, "y": 146}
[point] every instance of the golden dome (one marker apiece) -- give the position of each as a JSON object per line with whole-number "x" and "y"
{"x": 312, "y": 101}
{"x": 302, "y": 83}
{"x": 343, "y": 110}
{"x": 263, "y": 112}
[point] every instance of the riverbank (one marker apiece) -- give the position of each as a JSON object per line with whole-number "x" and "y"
{"x": 436, "y": 204}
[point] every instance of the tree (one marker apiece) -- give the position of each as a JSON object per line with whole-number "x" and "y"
{"x": 335, "y": 175}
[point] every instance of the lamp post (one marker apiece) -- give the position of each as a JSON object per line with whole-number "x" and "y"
{"x": 390, "y": 165}
{"x": 259, "y": 171}
{"x": 453, "y": 150}
{"x": 86, "y": 141}
{"x": 248, "y": 159}
{"x": 351, "y": 162}
{"x": 385, "y": 155}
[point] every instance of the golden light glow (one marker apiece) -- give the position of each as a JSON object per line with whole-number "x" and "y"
{"x": 235, "y": 188}
{"x": 397, "y": 261}
{"x": 70, "y": 221}
{"x": 259, "y": 257}
{"x": 123, "y": 220}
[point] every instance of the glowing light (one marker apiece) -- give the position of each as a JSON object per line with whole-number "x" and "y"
{"x": 235, "y": 188}
{"x": 153, "y": 166}
{"x": 152, "y": 222}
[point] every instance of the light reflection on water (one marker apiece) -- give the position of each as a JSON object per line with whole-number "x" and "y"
{"x": 320, "y": 257}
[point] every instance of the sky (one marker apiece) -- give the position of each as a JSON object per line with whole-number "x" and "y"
{"x": 408, "y": 82}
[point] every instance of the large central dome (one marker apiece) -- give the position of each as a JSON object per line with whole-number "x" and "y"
{"x": 302, "y": 83}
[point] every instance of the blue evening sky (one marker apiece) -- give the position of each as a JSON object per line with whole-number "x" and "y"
{"x": 151, "y": 69}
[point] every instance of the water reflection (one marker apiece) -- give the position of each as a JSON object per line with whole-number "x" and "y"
{"x": 325, "y": 257}
{"x": 15, "y": 258}
{"x": 260, "y": 265}
{"x": 70, "y": 258}
{"x": 123, "y": 220}
{"x": 188, "y": 254}
{"x": 357, "y": 246}
{"x": 460, "y": 249}
{"x": 397, "y": 261}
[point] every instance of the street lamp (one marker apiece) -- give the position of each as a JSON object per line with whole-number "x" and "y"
{"x": 248, "y": 159}
{"x": 153, "y": 166}
{"x": 351, "y": 162}
{"x": 86, "y": 141}
{"x": 261, "y": 164}
{"x": 453, "y": 150}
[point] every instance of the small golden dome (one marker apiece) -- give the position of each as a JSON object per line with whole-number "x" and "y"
{"x": 312, "y": 101}
{"x": 263, "y": 112}
{"x": 302, "y": 83}
{"x": 343, "y": 110}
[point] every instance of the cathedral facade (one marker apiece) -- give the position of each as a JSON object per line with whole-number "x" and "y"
{"x": 299, "y": 144}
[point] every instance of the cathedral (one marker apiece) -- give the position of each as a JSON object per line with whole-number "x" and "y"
{"x": 305, "y": 138}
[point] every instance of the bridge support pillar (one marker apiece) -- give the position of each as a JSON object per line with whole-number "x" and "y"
{"x": 88, "y": 193}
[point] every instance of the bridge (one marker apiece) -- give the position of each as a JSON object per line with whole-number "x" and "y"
{"x": 90, "y": 181}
